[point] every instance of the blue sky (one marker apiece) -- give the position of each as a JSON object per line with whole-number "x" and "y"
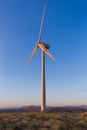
{"x": 65, "y": 29}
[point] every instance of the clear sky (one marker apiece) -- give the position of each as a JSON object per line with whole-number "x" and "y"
{"x": 65, "y": 29}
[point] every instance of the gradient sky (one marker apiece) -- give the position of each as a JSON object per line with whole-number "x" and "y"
{"x": 65, "y": 29}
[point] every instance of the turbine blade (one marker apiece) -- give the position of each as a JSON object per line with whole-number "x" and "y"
{"x": 34, "y": 51}
{"x": 46, "y": 51}
{"x": 39, "y": 38}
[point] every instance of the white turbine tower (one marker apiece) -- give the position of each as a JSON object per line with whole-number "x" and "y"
{"x": 44, "y": 48}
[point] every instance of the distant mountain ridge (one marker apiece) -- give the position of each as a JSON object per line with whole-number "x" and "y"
{"x": 33, "y": 108}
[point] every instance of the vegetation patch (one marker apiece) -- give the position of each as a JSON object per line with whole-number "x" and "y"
{"x": 43, "y": 121}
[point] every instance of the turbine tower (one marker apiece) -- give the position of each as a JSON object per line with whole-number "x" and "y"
{"x": 43, "y": 47}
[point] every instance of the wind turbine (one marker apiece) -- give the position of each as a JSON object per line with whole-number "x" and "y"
{"x": 44, "y": 48}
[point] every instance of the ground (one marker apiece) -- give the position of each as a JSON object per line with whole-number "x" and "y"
{"x": 43, "y": 121}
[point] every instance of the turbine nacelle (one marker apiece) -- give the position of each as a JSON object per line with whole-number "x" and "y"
{"x": 46, "y": 45}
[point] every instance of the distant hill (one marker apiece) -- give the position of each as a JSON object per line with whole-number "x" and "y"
{"x": 33, "y": 108}
{"x": 69, "y": 109}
